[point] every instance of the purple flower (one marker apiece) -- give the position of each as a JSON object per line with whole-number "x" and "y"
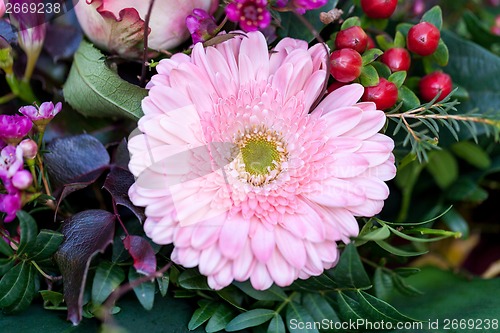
{"x": 309, "y": 4}
{"x": 250, "y": 14}
{"x": 10, "y": 204}
{"x": 201, "y": 25}
{"x": 42, "y": 114}
{"x": 11, "y": 161}
{"x": 14, "y": 128}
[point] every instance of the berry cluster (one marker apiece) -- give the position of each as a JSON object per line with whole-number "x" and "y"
{"x": 384, "y": 74}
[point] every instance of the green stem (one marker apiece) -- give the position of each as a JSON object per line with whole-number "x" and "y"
{"x": 7, "y": 98}
{"x": 285, "y": 302}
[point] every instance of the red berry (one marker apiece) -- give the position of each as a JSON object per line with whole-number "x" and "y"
{"x": 384, "y": 94}
{"x": 379, "y": 9}
{"x": 397, "y": 59}
{"x": 352, "y": 38}
{"x": 335, "y": 85}
{"x": 433, "y": 84}
{"x": 370, "y": 44}
{"x": 423, "y": 38}
{"x": 345, "y": 65}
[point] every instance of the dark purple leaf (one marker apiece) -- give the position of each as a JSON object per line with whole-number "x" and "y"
{"x": 70, "y": 159}
{"x": 142, "y": 253}
{"x": 81, "y": 183}
{"x": 117, "y": 183}
{"x": 121, "y": 157}
{"x": 86, "y": 233}
{"x": 62, "y": 41}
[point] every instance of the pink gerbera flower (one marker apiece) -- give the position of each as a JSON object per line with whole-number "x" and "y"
{"x": 241, "y": 177}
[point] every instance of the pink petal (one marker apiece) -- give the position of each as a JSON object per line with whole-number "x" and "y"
{"x": 370, "y": 124}
{"x": 291, "y": 247}
{"x": 338, "y": 193}
{"x": 342, "y": 120}
{"x": 233, "y": 236}
{"x": 242, "y": 265}
{"x": 342, "y": 97}
{"x": 281, "y": 272}
{"x": 210, "y": 258}
{"x": 262, "y": 242}
{"x": 260, "y": 278}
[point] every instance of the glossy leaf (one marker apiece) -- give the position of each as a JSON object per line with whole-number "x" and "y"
{"x": 219, "y": 320}
{"x": 93, "y": 89}
{"x": 377, "y": 233}
{"x": 397, "y": 251}
{"x": 408, "y": 97}
{"x": 378, "y": 310}
{"x": 271, "y": 294}
{"x": 5, "y": 248}
{"x": 29, "y": 231}
{"x": 382, "y": 283}
{"x": 108, "y": 277}
{"x": 202, "y": 314}
{"x": 398, "y": 78}
{"x": 434, "y": 16}
{"x": 319, "y": 308}
{"x": 117, "y": 183}
{"x": 295, "y": 313}
{"x": 442, "y": 55}
{"x": 371, "y": 55}
{"x": 86, "y": 233}
{"x": 5, "y": 265}
{"x": 163, "y": 283}
{"x": 443, "y": 167}
{"x": 75, "y": 159}
{"x": 142, "y": 253}
{"x": 250, "y": 318}
{"x": 472, "y": 153}
{"x": 145, "y": 292}
{"x": 276, "y": 325}
{"x": 46, "y": 244}
{"x": 350, "y": 22}
{"x": 369, "y": 76}
{"x": 18, "y": 287}
{"x": 192, "y": 279}
{"x": 349, "y": 271}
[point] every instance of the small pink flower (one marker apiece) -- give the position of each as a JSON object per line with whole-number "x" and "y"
{"x": 309, "y": 4}
{"x": 11, "y": 161}
{"x": 250, "y": 14}
{"x": 237, "y": 171}
{"x": 118, "y": 25}
{"x": 14, "y": 128}
{"x": 29, "y": 148}
{"x": 42, "y": 115}
{"x": 201, "y": 25}
{"x": 2, "y": 8}
{"x": 10, "y": 204}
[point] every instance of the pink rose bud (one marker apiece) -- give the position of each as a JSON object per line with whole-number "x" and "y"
{"x": 30, "y": 148}
{"x": 118, "y": 25}
{"x": 22, "y": 179}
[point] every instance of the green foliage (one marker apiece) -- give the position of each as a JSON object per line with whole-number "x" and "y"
{"x": 93, "y": 89}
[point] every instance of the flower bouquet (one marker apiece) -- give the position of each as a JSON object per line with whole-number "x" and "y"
{"x": 248, "y": 165}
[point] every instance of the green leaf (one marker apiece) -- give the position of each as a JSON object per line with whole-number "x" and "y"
{"x": 350, "y": 22}
{"x": 17, "y": 287}
{"x": 443, "y": 167}
{"x": 108, "y": 277}
{"x": 297, "y": 318}
{"x": 376, "y": 234}
{"x": 349, "y": 272}
{"x": 456, "y": 222}
{"x": 382, "y": 69}
{"x": 382, "y": 283}
{"x": 472, "y": 153}
{"x": 93, "y": 89}
{"x": 479, "y": 30}
{"x": 233, "y": 296}
{"x": 398, "y": 78}
{"x": 371, "y": 55}
{"x": 408, "y": 97}
{"x": 192, "y": 279}
{"x": 378, "y": 310}
{"x": 163, "y": 283}
{"x": 29, "y": 230}
{"x": 250, "y": 318}
{"x": 350, "y": 309}
{"x": 220, "y": 319}
{"x": 46, "y": 244}
{"x": 5, "y": 248}
{"x": 441, "y": 56}
{"x": 145, "y": 291}
{"x": 403, "y": 28}
{"x": 202, "y": 314}
{"x": 480, "y": 79}
{"x": 319, "y": 308}
{"x": 51, "y": 297}
{"x": 272, "y": 294}
{"x": 447, "y": 295}
{"x": 384, "y": 42}
{"x": 466, "y": 189}
{"x": 5, "y": 265}
{"x": 397, "y": 251}
{"x": 434, "y": 16}
{"x": 369, "y": 76}
{"x": 291, "y": 26}
{"x": 399, "y": 40}
{"x": 276, "y": 325}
